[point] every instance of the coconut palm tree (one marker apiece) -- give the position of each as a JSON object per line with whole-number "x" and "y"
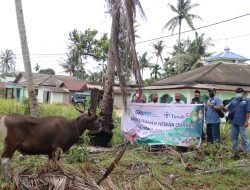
{"x": 121, "y": 53}
{"x": 37, "y": 67}
{"x": 7, "y": 60}
{"x": 158, "y": 47}
{"x": 72, "y": 63}
{"x": 197, "y": 50}
{"x": 144, "y": 62}
{"x": 168, "y": 67}
{"x": 182, "y": 12}
{"x": 94, "y": 76}
{"x": 156, "y": 72}
{"x": 26, "y": 59}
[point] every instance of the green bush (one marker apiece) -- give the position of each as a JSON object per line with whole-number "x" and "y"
{"x": 11, "y": 106}
{"x": 79, "y": 154}
{"x": 76, "y": 155}
{"x": 117, "y": 134}
{"x": 26, "y": 105}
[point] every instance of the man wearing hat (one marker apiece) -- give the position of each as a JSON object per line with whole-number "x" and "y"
{"x": 239, "y": 113}
{"x": 212, "y": 117}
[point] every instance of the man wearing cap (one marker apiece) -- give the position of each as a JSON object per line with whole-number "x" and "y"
{"x": 212, "y": 117}
{"x": 239, "y": 109}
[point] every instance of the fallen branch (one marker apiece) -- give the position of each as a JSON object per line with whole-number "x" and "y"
{"x": 96, "y": 150}
{"x": 177, "y": 154}
{"x": 213, "y": 171}
{"x": 113, "y": 164}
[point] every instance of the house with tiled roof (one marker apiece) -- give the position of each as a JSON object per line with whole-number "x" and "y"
{"x": 49, "y": 88}
{"x": 57, "y": 89}
{"x": 224, "y": 71}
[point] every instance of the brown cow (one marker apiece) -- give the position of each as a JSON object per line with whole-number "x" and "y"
{"x": 34, "y": 136}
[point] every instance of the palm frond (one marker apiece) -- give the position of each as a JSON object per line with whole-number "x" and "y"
{"x": 192, "y": 16}
{"x": 188, "y": 8}
{"x": 171, "y": 24}
{"x": 142, "y": 13}
{"x": 189, "y": 21}
{"x": 173, "y": 8}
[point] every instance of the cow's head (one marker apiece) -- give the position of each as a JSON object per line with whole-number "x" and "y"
{"x": 94, "y": 125}
{"x": 91, "y": 121}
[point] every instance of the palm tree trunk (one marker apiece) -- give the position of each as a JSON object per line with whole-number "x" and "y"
{"x": 157, "y": 58}
{"x": 107, "y": 103}
{"x": 26, "y": 59}
{"x": 106, "y": 120}
{"x": 179, "y": 48}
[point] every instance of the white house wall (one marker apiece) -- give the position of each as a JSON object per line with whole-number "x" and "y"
{"x": 40, "y": 94}
{"x": 56, "y": 98}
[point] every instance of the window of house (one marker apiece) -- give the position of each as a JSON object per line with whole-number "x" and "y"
{"x": 166, "y": 98}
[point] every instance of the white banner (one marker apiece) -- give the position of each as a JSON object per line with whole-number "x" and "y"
{"x": 173, "y": 124}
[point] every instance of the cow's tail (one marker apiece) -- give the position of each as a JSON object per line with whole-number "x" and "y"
{"x": 3, "y": 128}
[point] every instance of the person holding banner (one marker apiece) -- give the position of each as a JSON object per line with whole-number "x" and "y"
{"x": 177, "y": 99}
{"x": 196, "y": 99}
{"x": 139, "y": 97}
{"x": 212, "y": 117}
{"x": 155, "y": 99}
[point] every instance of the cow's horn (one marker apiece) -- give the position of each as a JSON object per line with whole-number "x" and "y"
{"x": 81, "y": 111}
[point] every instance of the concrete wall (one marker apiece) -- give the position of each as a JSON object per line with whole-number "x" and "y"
{"x": 57, "y": 98}
{"x": 118, "y": 104}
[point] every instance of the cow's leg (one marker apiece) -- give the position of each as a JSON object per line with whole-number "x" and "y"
{"x": 5, "y": 162}
{"x": 54, "y": 158}
{"x": 56, "y": 154}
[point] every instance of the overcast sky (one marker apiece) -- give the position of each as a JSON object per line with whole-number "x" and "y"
{"x": 48, "y": 23}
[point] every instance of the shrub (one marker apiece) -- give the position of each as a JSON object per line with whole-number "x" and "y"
{"x": 11, "y": 106}
{"x": 117, "y": 135}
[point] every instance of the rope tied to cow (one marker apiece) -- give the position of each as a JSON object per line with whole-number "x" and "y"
{"x": 77, "y": 132}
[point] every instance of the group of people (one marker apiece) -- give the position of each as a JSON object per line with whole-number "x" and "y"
{"x": 238, "y": 110}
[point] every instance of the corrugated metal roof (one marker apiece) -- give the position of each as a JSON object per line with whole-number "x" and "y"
{"x": 57, "y": 89}
{"x": 220, "y": 74}
{"x": 71, "y": 83}
{"x": 227, "y": 55}
{"x": 198, "y": 86}
{"x": 75, "y": 85}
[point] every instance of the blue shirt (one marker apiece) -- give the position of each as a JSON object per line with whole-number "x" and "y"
{"x": 242, "y": 107}
{"x": 211, "y": 115}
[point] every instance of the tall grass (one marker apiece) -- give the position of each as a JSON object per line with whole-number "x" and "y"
{"x": 10, "y": 106}
{"x": 67, "y": 111}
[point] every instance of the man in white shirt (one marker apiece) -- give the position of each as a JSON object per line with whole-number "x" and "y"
{"x": 154, "y": 99}
{"x": 177, "y": 99}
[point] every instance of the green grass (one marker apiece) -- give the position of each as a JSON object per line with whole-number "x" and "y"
{"x": 140, "y": 169}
